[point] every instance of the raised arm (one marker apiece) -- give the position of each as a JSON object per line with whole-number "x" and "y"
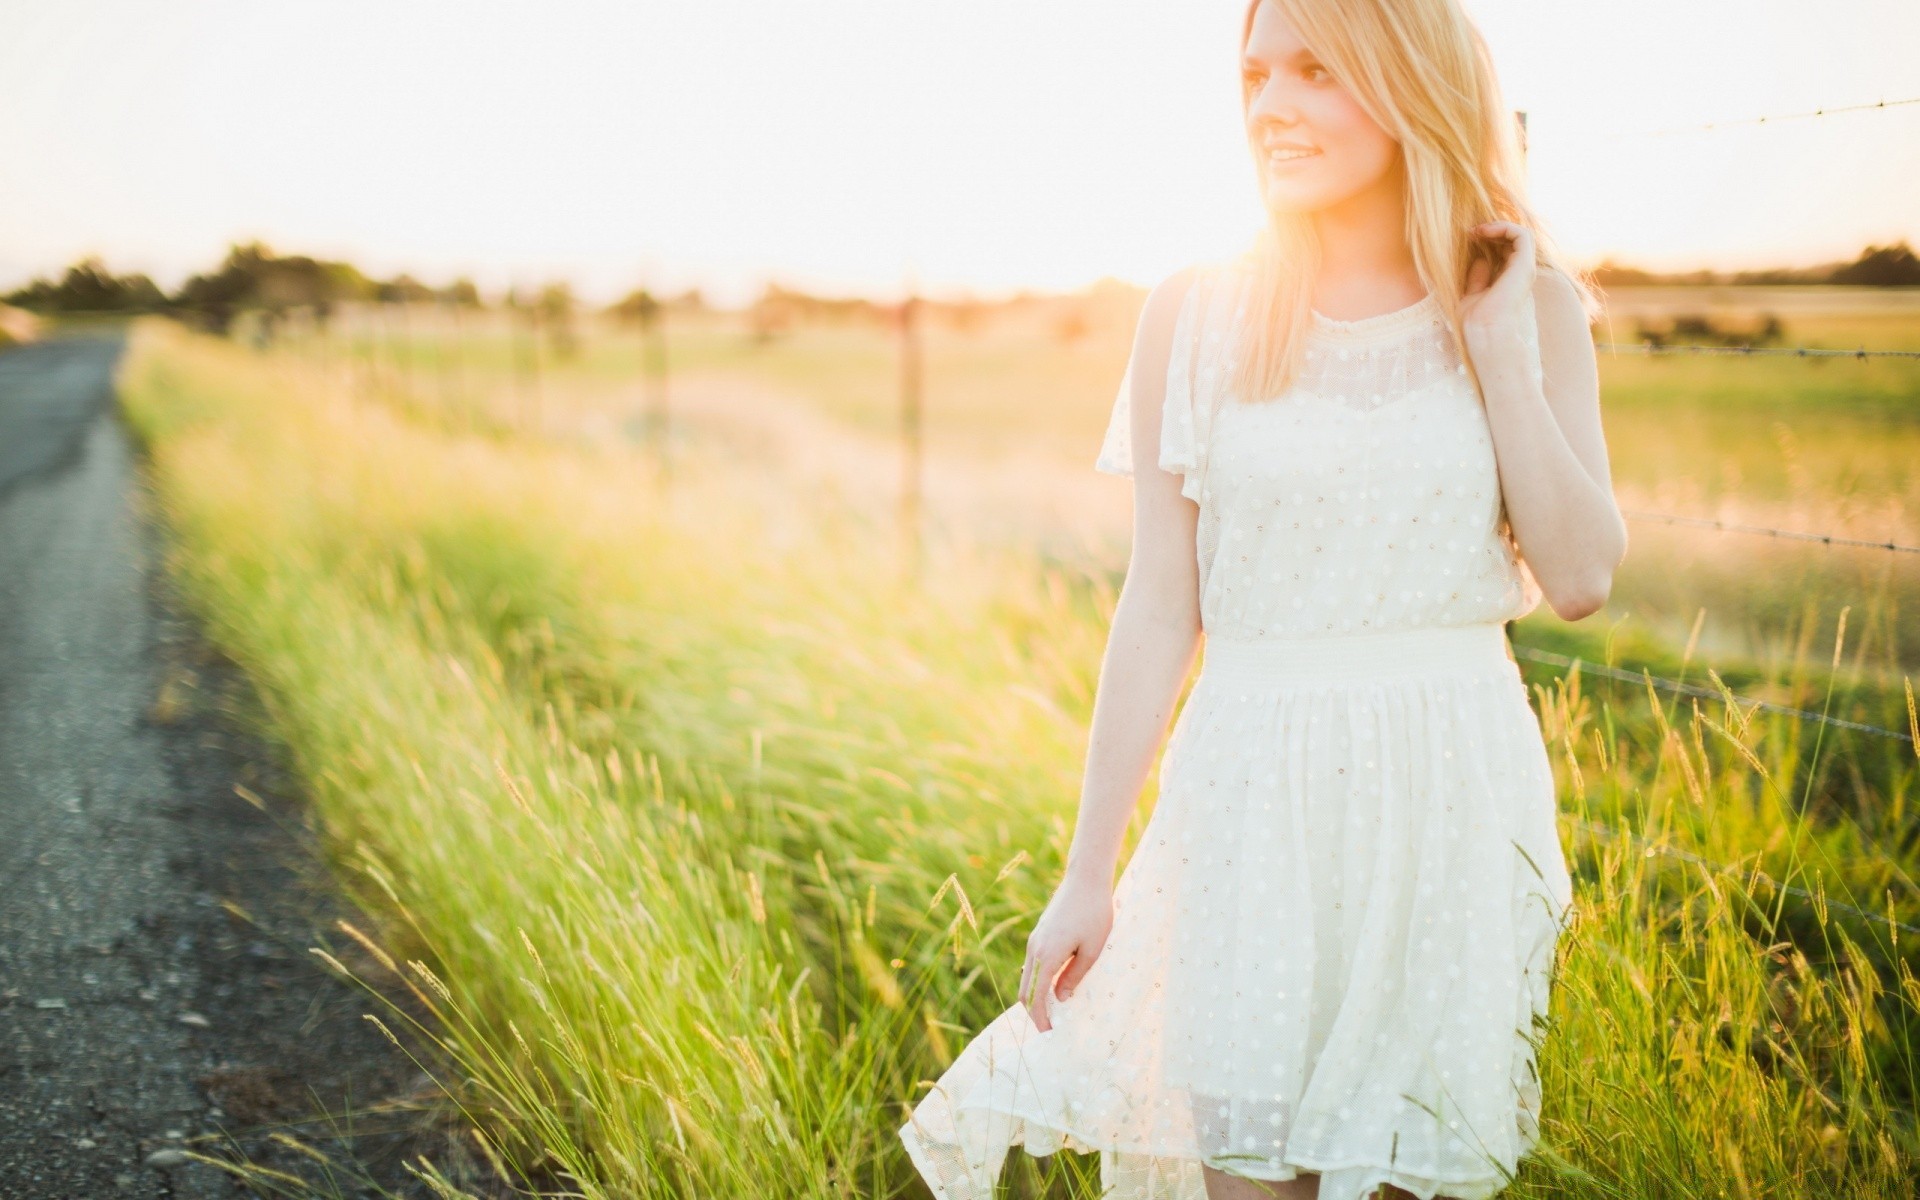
{"x": 1547, "y": 436}
{"x": 1150, "y": 649}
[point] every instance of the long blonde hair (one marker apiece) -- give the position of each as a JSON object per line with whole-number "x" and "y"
{"x": 1423, "y": 73}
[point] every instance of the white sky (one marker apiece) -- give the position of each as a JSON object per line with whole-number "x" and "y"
{"x": 838, "y": 144}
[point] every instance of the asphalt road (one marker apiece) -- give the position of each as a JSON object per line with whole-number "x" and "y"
{"x": 156, "y": 990}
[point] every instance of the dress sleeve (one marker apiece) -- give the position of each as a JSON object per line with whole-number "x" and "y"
{"x": 1183, "y": 416}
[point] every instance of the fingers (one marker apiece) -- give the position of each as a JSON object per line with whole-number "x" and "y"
{"x": 1043, "y": 989}
{"x": 1037, "y": 986}
{"x": 1518, "y": 239}
{"x": 1516, "y": 275}
{"x": 1518, "y": 248}
{"x": 1077, "y": 969}
{"x": 1476, "y": 275}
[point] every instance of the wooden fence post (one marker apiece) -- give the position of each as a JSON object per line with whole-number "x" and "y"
{"x": 653, "y": 335}
{"x": 911, "y": 405}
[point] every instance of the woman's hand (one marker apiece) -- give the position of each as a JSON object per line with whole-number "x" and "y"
{"x": 1486, "y": 308}
{"x": 1071, "y": 932}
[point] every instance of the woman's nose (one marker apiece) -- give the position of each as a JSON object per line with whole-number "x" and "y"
{"x": 1272, "y": 107}
{"x": 1275, "y": 123}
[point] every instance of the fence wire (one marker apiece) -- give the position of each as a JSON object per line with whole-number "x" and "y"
{"x": 1786, "y": 351}
{"x": 1793, "y": 116}
{"x": 1651, "y": 847}
{"x": 1825, "y": 539}
{"x": 1548, "y": 658}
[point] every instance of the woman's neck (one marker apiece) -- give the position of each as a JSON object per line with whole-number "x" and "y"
{"x": 1364, "y": 255}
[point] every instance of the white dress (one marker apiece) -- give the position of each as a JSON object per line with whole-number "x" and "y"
{"x": 1332, "y": 945}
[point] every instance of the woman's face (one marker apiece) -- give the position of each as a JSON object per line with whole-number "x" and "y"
{"x": 1311, "y": 142}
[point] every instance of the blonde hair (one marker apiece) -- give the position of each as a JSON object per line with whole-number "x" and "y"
{"x": 1423, "y": 73}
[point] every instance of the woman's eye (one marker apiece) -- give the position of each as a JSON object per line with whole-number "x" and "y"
{"x": 1316, "y": 70}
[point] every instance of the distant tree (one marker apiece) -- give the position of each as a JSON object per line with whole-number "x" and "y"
{"x": 1877, "y": 266}
{"x": 1882, "y": 266}
{"x": 88, "y": 286}
{"x": 402, "y": 289}
{"x": 555, "y": 305}
{"x": 773, "y": 313}
{"x": 556, "y": 300}
{"x": 638, "y": 307}
{"x": 215, "y": 298}
{"x": 254, "y": 279}
{"x": 461, "y": 293}
{"x": 1611, "y": 274}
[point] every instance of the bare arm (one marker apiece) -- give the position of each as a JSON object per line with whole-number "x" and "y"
{"x": 1548, "y": 440}
{"x": 1156, "y": 622}
{"x": 1150, "y": 649}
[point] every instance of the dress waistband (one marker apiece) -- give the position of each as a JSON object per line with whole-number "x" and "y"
{"x": 1356, "y": 658}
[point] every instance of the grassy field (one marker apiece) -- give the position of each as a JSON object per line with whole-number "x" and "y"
{"x": 708, "y": 835}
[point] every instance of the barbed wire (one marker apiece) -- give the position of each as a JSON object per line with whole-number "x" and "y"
{"x": 1548, "y": 658}
{"x": 1795, "y": 116}
{"x": 1825, "y": 539}
{"x": 1649, "y": 846}
{"x": 1790, "y": 351}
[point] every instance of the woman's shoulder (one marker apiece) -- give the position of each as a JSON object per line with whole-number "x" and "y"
{"x": 1559, "y": 297}
{"x": 1166, "y": 297}
{"x": 1161, "y": 312}
{"x": 1192, "y": 288}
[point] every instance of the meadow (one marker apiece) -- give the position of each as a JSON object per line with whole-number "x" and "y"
{"x": 705, "y": 832}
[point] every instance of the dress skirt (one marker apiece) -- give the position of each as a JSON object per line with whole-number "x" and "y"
{"x": 1331, "y": 946}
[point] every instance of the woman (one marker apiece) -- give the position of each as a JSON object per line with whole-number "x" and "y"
{"x": 1321, "y": 972}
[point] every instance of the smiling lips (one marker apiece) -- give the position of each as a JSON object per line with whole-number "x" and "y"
{"x": 1285, "y": 152}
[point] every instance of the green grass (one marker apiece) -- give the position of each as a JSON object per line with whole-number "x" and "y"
{"x": 707, "y": 838}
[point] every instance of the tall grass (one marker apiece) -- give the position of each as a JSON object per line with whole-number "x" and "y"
{"x": 704, "y": 840}
{"x": 1820, "y": 445}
